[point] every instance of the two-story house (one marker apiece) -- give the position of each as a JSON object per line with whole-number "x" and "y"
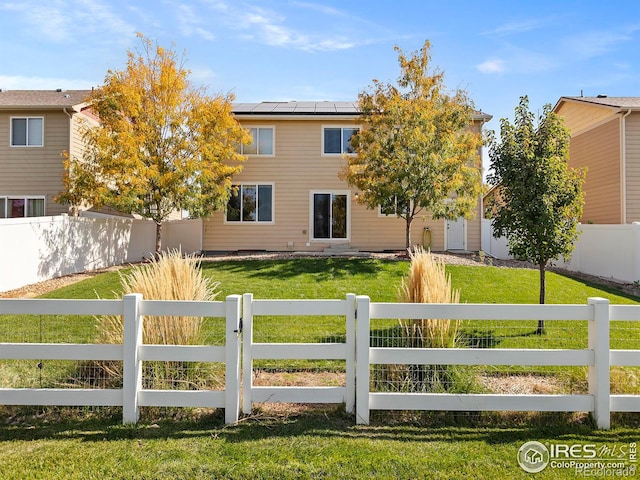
{"x": 290, "y": 196}
{"x": 36, "y": 126}
{"x": 605, "y": 138}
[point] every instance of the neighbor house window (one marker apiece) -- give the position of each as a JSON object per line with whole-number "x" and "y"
{"x": 261, "y": 142}
{"x": 251, "y": 203}
{"x": 19, "y": 207}
{"x": 394, "y": 206}
{"x": 27, "y": 132}
{"x": 337, "y": 140}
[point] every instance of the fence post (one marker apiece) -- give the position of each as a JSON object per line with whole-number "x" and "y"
{"x": 131, "y": 363}
{"x": 232, "y": 360}
{"x": 247, "y": 354}
{"x": 350, "y": 400}
{"x": 362, "y": 359}
{"x": 599, "y": 372}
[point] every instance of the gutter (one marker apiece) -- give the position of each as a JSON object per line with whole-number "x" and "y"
{"x": 623, "y": 163}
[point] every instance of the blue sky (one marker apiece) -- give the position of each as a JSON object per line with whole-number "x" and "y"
{"x": 330, "y": 50}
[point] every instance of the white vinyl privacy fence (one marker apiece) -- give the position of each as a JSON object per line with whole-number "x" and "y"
{"x": 40, "y": 248}
{"x": 608, "y": 251}
{"x": 277, "y": 330}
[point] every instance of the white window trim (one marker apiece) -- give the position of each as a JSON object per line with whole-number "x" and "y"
{"x": 273, "y": 147}
{"x": 273, "y": 206}
{"x": 311, "y": 218}
{"x": 342, "y": 126}
{"x": 6, "y": 199}
{"x": 24, "y": 146}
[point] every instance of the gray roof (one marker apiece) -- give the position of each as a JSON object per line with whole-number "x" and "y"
{"x": 606, "y": 101}
{"x": 42, "y": 99}
{"x": 310, "y": 108}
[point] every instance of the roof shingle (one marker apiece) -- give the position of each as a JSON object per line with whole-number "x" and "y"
{"x": 606, "y": 101}
{"x": 43, "y": 99}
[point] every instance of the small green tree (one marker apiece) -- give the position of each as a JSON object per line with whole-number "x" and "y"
{"x": 416, "y": 151}
{"x": 541, "y": 197}
{"x": 161, "y": 144}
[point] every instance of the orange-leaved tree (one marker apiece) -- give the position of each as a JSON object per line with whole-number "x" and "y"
{"x": 416, "y": 151}
{"x": 161, "y": 145}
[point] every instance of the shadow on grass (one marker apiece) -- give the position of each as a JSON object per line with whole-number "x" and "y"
{"x": 331, "y": 422}
{"x": 321, "y": 268}
{"x": 604, "y": 285}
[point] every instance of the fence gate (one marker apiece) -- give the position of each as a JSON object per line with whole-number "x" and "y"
{"x": 300, "y": 316}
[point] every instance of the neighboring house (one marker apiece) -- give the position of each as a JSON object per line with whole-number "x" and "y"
{"x": 36, "y": 126}
{"x": 605, "y": 138}
{"x": 290, "y": 196}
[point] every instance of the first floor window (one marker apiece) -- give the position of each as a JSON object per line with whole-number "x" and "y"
{"x": 19, "y": 207}
{"x": 394, "y": 206}
{"x": 330, "y": 215}
{"x": 250, "y": 203}
{"x": 27, "y": 132}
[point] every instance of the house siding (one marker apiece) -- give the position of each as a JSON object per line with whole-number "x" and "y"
{"x": 598, "y": 149}
{"x": 34, "y": 171}
{"x": 298, "y": 168}
{"x": 632, "y": 167}
{"x": 579, "y": 117}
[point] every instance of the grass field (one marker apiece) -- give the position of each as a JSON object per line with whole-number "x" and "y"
{"x": 296, "y": 442}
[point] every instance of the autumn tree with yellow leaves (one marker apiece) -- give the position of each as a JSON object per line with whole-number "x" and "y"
{"x": 416, "y": 152}
{"x": 161, "y": 145}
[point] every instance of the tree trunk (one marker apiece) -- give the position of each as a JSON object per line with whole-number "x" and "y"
{"x": 408, "y": 234}
{"x": 542, "y": 267}
{"x": 158, "y": 238}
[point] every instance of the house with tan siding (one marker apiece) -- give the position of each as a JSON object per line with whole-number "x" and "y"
{"x": 36, "y": 126}
{"x": 605, "y": 138}
{"x": 289, "y": 196}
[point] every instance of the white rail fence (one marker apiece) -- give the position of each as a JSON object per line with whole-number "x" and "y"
{"x": 132, "y": 352}
{"x": 356, "y": 351}
{"x": 598, "y": 357}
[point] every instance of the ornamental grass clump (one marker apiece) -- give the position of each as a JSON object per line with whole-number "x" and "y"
{"x": 170, "y": 276}
{"x": 427, "y": 282}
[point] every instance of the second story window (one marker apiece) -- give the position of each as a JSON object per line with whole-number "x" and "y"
{"x": 27, "y": 132}
{"x": 337, "y": 140}
{"x": 262, "y": 142}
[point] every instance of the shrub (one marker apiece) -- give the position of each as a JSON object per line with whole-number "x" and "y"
{"x": 427, "y": 282}
{"x": 169, "y": 277}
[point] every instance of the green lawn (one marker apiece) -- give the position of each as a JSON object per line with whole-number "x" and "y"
{"x": 315, "y": 443}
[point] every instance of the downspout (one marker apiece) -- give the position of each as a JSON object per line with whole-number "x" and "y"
{"x": 623, "y": 174}
{"x": 75, "y": 211}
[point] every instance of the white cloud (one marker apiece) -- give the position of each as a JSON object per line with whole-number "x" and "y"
{"x": 513, "y": 28}
{"x": 598, "y": 42}
{"x": 17, "y": 82}
{"x": 269, "y": 27}
{"x": 492, "y": 65}
{"x": 61, "y": 21}
{"x": 191, "y": 23}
